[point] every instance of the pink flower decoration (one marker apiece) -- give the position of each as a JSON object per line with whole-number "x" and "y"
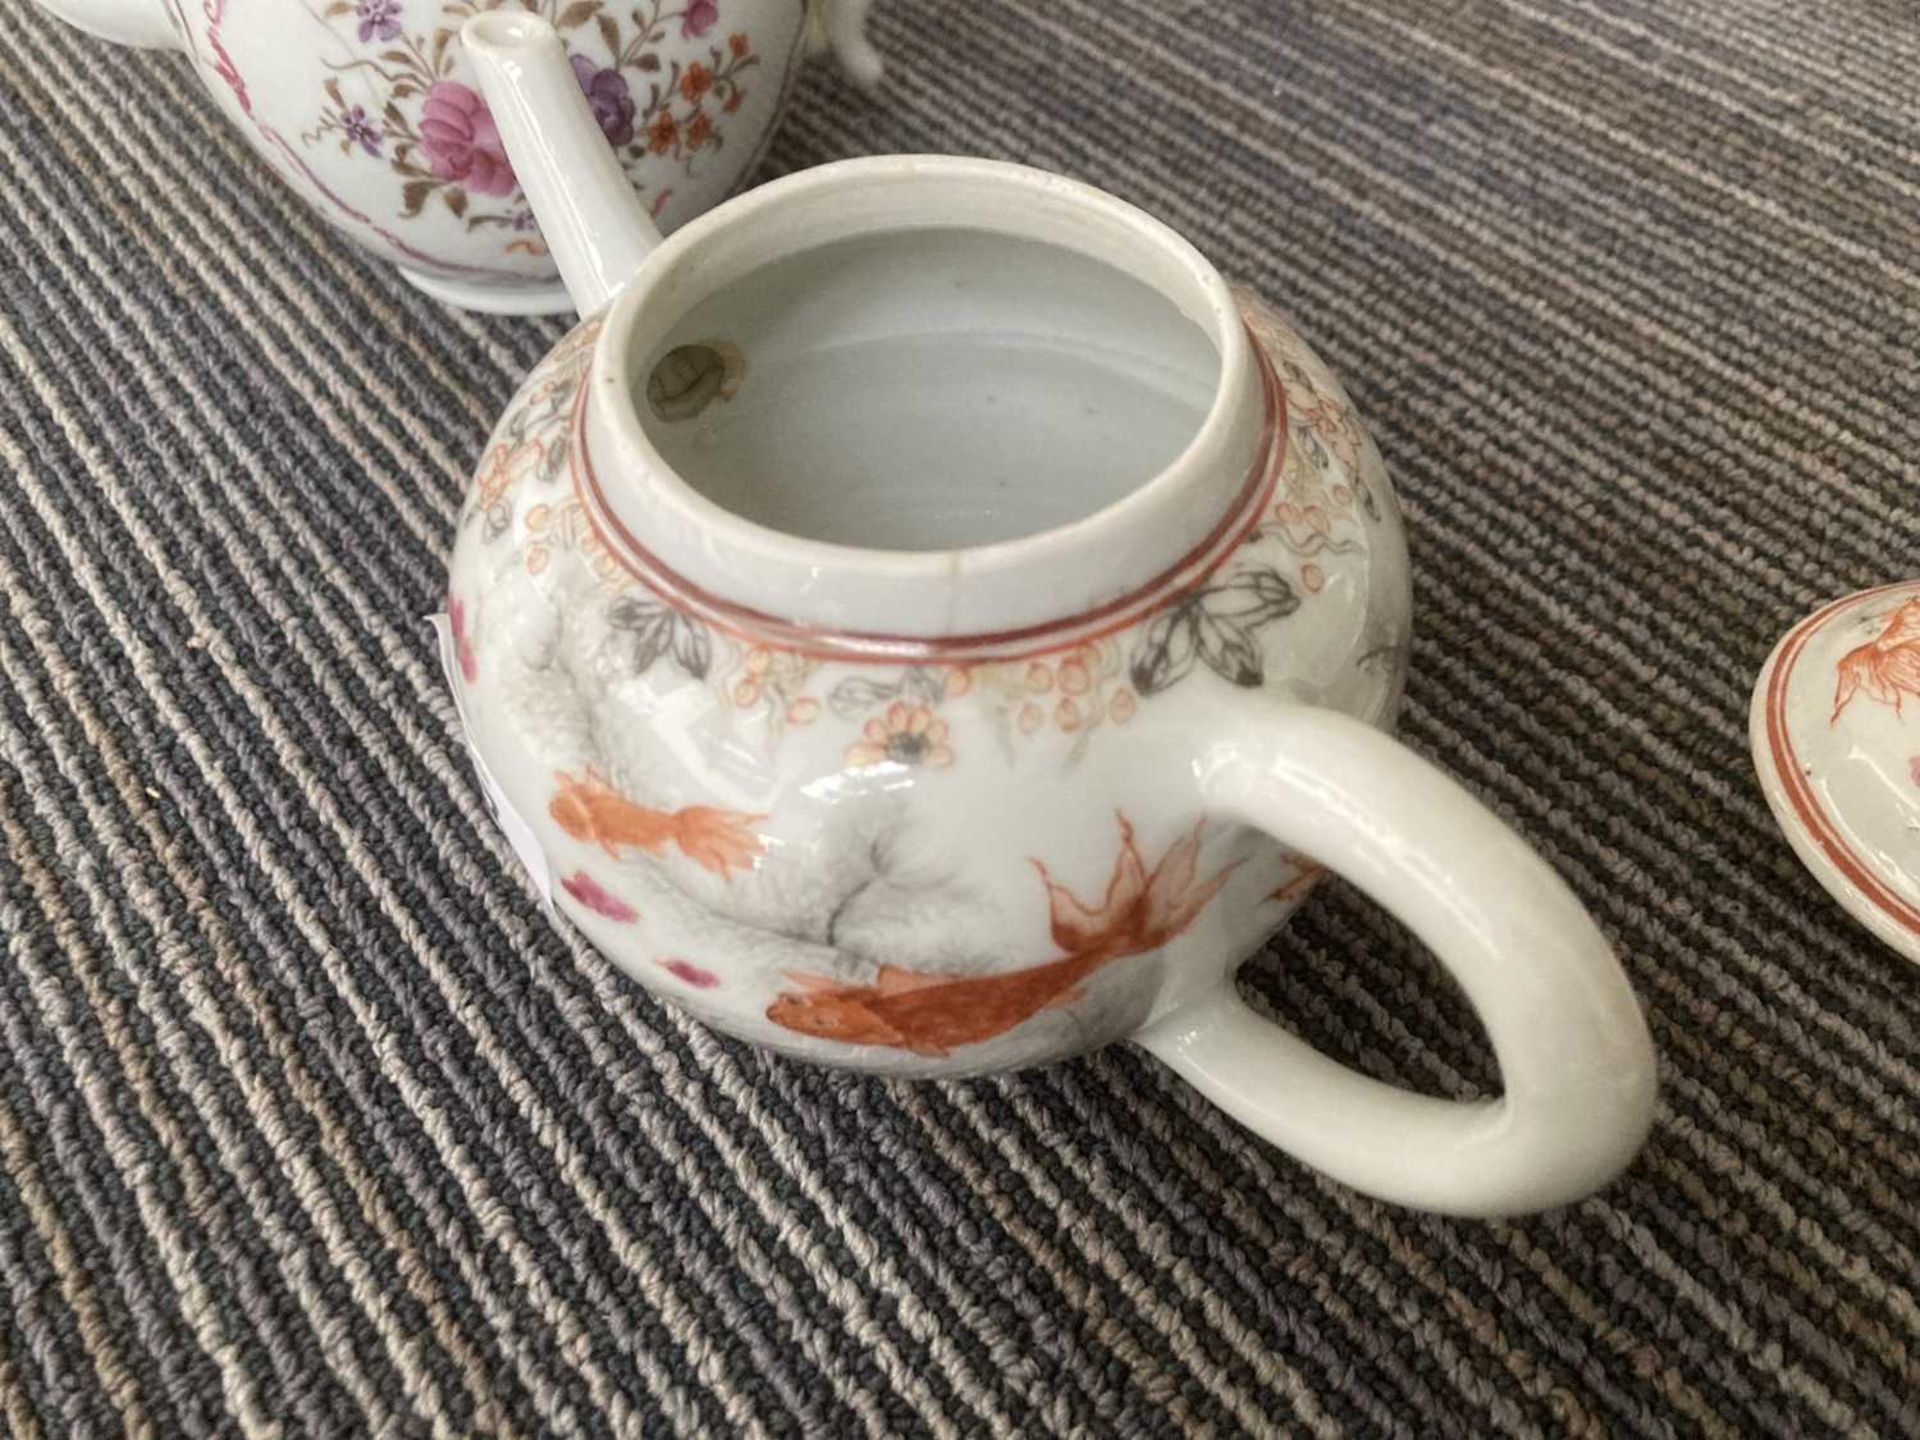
{"x": 462, "y": 141}
{"x": 691, "y": 973}
{"x": 699, "y": 17}
{"x": 1913, "y": 769}
{"x": 597, "y": 898}
{"x": 462, "y": 646}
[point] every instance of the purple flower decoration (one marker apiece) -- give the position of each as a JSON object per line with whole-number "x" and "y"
{"x": 461, "y": 140}
{"x": 699, "y": 17}
{"x": 379, "y": 19}
{"x": 358, "y": 128}
{"x": 608, "y": 97}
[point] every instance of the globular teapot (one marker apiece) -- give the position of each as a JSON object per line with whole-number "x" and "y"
{"x": 923, "y": 620}
{"x": 367, "y": 108}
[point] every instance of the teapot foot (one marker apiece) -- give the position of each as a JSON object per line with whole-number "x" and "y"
{"x": 547, "y": 298}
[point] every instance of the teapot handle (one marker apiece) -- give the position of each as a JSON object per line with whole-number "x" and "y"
{"x": 1574, "y": 1053}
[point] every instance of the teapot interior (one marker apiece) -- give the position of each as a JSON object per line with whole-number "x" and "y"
{"x": 926, "y": 388}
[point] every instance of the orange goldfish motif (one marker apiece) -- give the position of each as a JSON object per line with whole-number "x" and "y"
{"x": 1887, "y": 667}
{"x": 931, "y": 1013}
{"x": 590, "y": 809}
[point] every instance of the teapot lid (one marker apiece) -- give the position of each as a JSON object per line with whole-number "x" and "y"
{"x": 1835, "y": 728}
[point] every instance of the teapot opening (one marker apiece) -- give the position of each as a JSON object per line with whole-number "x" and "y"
{"x": 927, "y": 389}
{"x": 922, "y": 396}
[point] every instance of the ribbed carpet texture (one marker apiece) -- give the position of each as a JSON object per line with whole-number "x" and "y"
{"x": 313, "y": 1122}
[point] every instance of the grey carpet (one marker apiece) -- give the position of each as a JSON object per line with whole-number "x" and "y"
{"x": 312, "y": 1123}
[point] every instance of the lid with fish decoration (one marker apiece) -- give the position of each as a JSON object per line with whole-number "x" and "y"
{"x": 1835, "y": 726}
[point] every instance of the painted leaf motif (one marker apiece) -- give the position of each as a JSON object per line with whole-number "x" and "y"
{"x": 609, "y": 33}
{"x": 660, "y": 632}
{"x": 1168, "y": 647}
{"x": 1316, "y": 452}
{"x": 577, "y": 14}
{"x": 1228, "y": 650}
{"x": 1215, "y": 627}
{"x": 413, "y": 195}
{"x": 554, "y": 460}
{"x": 1252, "y": 598}
{"x": 692, "y": 647}
{"x": 856, "y": 695}
{"x": 918, "y": 684}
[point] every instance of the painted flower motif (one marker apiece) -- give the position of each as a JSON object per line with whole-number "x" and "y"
{"x": 697, "y": 976}
{"x": 1913, "y": 769}
{"x": 696, "y": 82}
{"x": 662, "y": 133}
{"x": 462, "y": 643}
{"x": 609, "y": 98}
{"x": 1074, "y": 692}
{"x": 359, "y": 130}
{"x": 698, "y": 18}
{"x": 776, "y": 680}
{"x": 379, "y": 19}
{"x": 461, "y": 140}
{"x": 738, "y": 44}
{"x": 905, "y": 735}
{"x": 699, "y": 130}
{"x": 597, "y": 898}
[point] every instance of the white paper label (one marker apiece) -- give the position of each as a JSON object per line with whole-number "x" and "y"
{"x": 519, "y": 834}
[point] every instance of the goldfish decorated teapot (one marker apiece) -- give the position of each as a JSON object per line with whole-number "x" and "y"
{"x": 922, "y": 620}
{"x": 367, "y": 109}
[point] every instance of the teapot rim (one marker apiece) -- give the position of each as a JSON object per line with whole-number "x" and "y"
{"x": 937, "y": 592}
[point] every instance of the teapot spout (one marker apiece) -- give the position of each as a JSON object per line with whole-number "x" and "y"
{"x": 142, "y": 23}
{"x": 592, "y": 221}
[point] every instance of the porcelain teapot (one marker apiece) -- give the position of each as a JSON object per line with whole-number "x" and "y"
{"x": 367, "y": 109}
{"x": 922, "y": 620}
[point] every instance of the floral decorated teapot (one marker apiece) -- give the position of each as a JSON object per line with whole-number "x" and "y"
{"x": 922, "y": 620}
{"x": 367, "y": 109}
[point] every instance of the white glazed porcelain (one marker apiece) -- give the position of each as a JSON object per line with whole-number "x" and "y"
{"x": 835, "y": 784}
{"x": 1835, "y": 726}
{"x": 367, "y": 109}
